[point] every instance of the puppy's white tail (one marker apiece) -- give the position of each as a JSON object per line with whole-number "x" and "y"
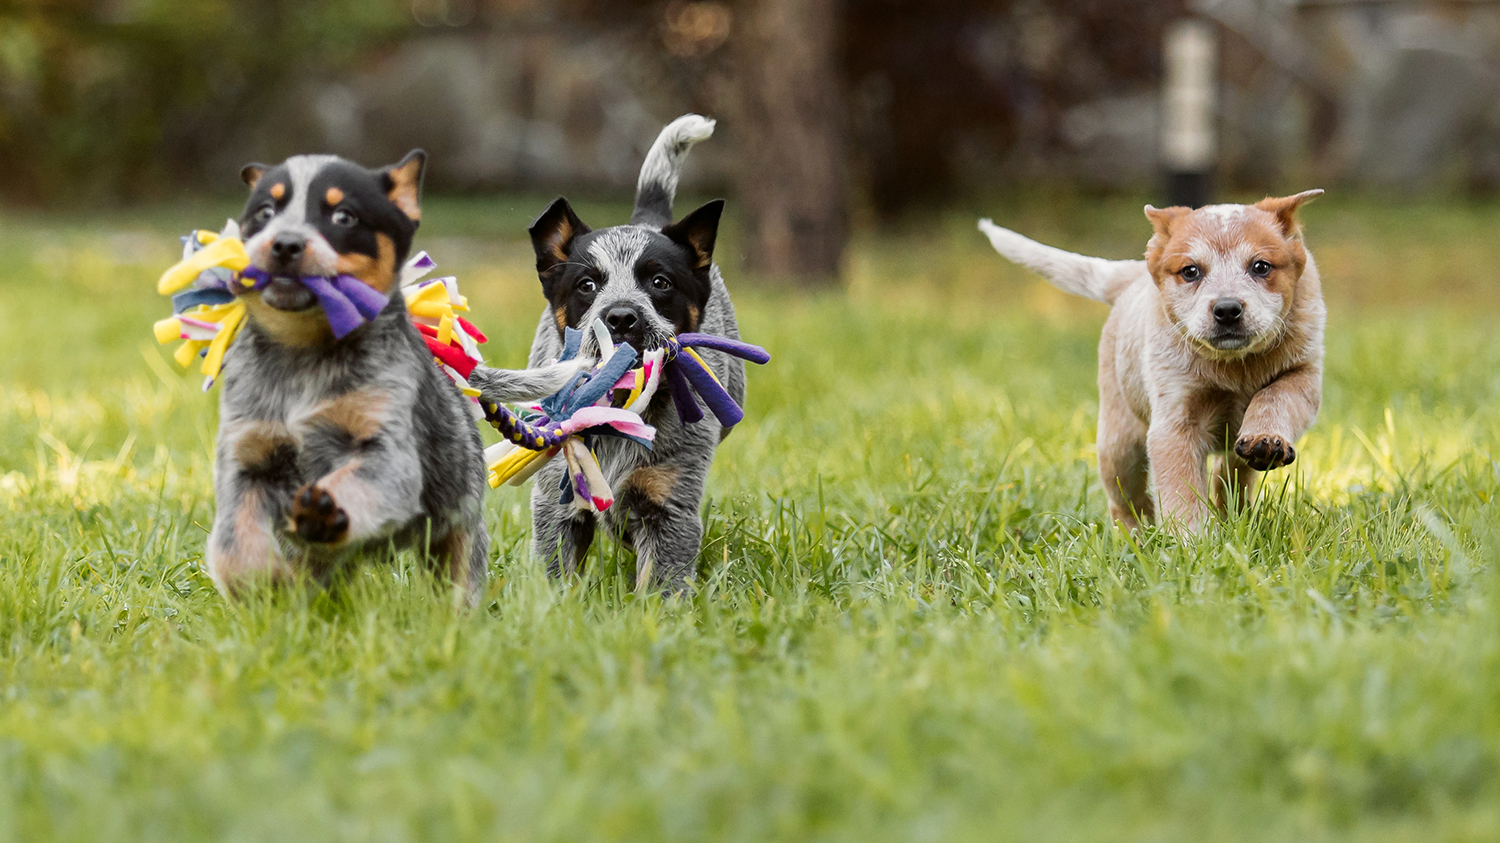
{"x": 657, "y": 186}
{"x": 1093, "y": 278}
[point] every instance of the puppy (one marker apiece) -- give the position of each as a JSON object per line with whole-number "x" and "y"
{"x": 647, "y": 280}
{"x": 1215, "y": 338}
{"x": 328, "y": 446}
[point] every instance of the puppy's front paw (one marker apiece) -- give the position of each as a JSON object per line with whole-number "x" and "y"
{"x": 1265, "y": 452}
{"x": 316, "y": 517}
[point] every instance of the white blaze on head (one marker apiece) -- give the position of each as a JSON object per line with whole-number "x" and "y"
{"x": 615, "y": 253}
{"x": 1225, "y": 261}
{"x": 319, "y": 257}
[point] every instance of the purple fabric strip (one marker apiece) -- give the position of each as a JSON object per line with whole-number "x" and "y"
{"x": 367, "y": 300}
{"x": 259, "y": 276}
{"x": 718, "y": 401}
{"x": 343, "y": 316}
{"x": 743, "y": 350}
{"x": 682, "y": 395}
{"x": 581, "y": 485}
{"x": 347, "y": 301}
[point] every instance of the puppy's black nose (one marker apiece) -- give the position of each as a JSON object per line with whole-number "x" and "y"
{"x": 622, "y": 322}
{"x": 1228, "y": 311}
{"x": 287, "y": 248}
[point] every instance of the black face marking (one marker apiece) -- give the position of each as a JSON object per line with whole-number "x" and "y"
{"x": 668, "y": 273}
{"x": 351, "y": 226}
{"x": 670, "y": 269}
{"x": 665, "y": 272}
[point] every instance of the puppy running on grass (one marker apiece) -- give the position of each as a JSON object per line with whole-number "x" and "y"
{"x": 647, "y": 280}
{"x": 329, "y": 446}
{"x": 1214, "y": 345}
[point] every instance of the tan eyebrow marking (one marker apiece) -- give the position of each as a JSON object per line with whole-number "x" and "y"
{"x": 278, "y": 190}
{"x": 333, "y": 196}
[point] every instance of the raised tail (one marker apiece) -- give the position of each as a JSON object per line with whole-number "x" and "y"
{"x": 657, "y": 186}
{"x": 1093, "y": 278}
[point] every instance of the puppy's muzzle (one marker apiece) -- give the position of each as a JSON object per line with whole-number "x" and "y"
{"x": 1228, "y": 312}
{"x": 287, "y": 250}
{"x": 1230, "y": 333}
{"x": 626, "y": 324}
{"x": 285, "y": 292}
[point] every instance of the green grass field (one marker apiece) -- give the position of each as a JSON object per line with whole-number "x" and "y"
{"x": 913, "y": 623}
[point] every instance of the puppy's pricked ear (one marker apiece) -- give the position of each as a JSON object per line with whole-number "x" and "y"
{"x": 403, "y": 183}
{"x": 698, "y": 231}
{"x": 1162, "y": 219}
{"x": 251, "y": 174}
{"x": 553, "y": 232}
{"x": 1284, "y": 208}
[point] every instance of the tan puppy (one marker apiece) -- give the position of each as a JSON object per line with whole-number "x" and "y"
{"x": 1215, "y": 338}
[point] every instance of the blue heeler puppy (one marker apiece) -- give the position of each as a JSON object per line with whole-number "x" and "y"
{"x": 647, "y": 281}
{"x": 330, "y": 446}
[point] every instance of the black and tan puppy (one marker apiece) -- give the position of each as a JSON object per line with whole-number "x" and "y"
{"x": 648, "y": 280}
{"x": 328, "y": 446}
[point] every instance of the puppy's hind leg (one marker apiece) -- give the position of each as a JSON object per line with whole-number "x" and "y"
{"x": 1125, "y": 470}
{"x": 1123, "y": 466}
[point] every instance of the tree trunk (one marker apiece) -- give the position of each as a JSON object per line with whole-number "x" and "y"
{"x": 790, "y": 124}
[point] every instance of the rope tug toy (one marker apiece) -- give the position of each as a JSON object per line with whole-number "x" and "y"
{"x": 608, "y": 400}
{"x": 207, "y": 314}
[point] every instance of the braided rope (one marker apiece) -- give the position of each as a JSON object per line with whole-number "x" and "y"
{"x": 531, "y": 435}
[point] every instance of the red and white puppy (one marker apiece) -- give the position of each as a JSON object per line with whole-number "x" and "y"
{"x": 1214, "y": 345}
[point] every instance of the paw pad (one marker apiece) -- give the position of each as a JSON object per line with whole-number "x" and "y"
{"x": 316, "y": 517}
{"x": 1264, "y": 453}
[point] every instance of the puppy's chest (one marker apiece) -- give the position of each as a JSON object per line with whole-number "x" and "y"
{"x": 619, "y": 458}
{"x": 300, "y": 426}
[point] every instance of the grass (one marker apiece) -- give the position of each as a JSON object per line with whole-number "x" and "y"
{"x": 913, "y": 622}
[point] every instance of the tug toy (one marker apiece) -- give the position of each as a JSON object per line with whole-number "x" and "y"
{"x": 208, "y": 313}
{"x": 608, "y": 401}
{"x": 568, "y": 421}
{"x": 687, "y": 373}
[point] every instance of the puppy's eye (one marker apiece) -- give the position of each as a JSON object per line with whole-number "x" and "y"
{"x": 343, "y": 217}
{"x": 1191, "y": 273}
{"x": 588, "y": 286}
{"x": 264, "y": 213}
{"x": 1261, "y": 269}
{"x": 661, "y": 282}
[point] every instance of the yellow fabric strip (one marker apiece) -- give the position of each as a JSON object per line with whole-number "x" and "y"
{"x": 168, "y": 329}
{"x": 507, "y": 466}
{"x": 635, "y": 391}
{"x": 228, "y": 328}
{"x": 225, "y": 251}
{"x": 215, "y": 312}
{"x": 187, "y": 351}
{"x": 432, "y": 310}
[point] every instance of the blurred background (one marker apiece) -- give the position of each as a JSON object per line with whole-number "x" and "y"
{"x": 835, "y": 115}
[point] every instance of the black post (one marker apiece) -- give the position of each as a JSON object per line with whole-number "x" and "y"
{"x": 1189, "y": 136}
